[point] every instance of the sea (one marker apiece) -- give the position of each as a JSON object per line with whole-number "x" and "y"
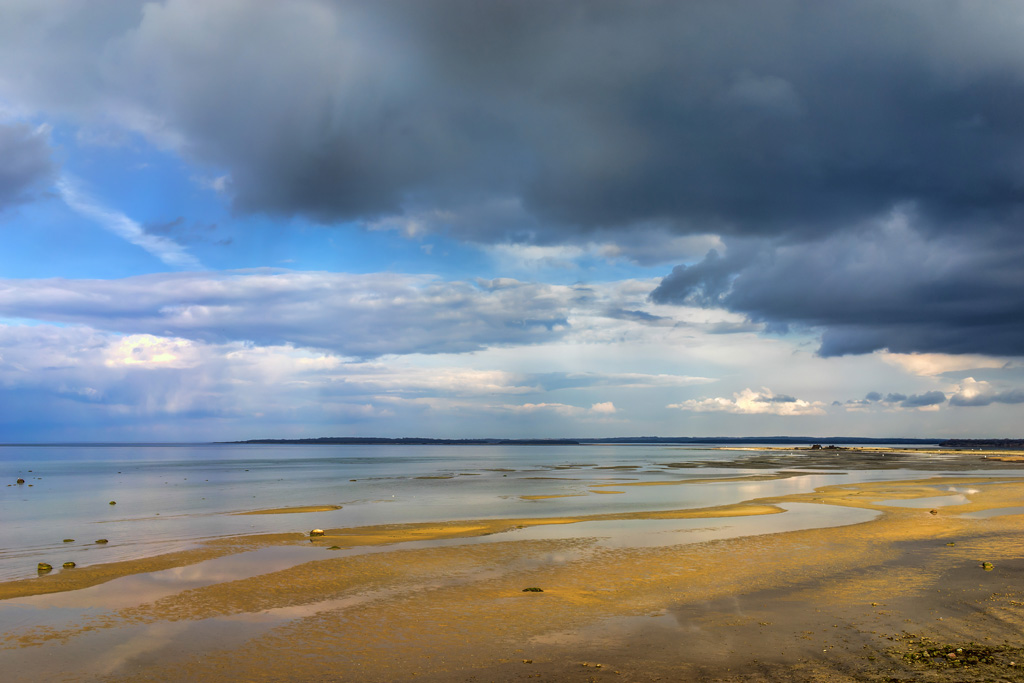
{"x": 145, "y": 500}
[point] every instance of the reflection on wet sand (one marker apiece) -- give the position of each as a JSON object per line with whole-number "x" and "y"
{"x": 810, "y": 584}
{"x": 292, "y": 510}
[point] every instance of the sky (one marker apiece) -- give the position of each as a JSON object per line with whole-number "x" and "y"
{"x": 515, "y": 218}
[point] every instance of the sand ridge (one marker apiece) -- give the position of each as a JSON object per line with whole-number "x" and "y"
{"x": 861, "y": 496}
{"x": 822, "y": 604}
{"x": 292, "y": 510}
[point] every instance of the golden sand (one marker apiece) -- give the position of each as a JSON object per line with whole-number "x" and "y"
{"x": 828, "y": 604}
{"x": 710, "y": 480}
{"x": 553, "y": 495}
{"x": 292, "y": 510}
{"x": 982, "y": 452}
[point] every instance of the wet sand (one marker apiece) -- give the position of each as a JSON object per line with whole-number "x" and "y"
{"x": 292, "y": 510}
{"x": 883, "y": 600}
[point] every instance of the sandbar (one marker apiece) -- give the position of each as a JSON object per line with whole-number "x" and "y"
{"x": 902, "y": 597}
{"x": 292, "y": 510}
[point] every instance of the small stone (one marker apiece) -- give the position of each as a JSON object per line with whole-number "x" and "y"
{"x": 933, "y": 512}
{"x": 43, "y": 567}
{"x": 987, "y": 566}
{"x": 316, "y": 532}
{"x": 951, "y": 655}
{"x": 69, "y": 540}
{"x": 69, "y": 565}
{"x": 951, "y": 543}
{"x": 102, "y": 540}
{"x": 113, "y": 502}
{"x": 533, "y": 589}
{"x": 21, "y": 481}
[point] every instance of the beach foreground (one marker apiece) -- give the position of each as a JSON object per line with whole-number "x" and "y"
{"x": 903, "y": 596}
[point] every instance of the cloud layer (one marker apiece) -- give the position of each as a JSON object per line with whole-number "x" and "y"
{"x": 750, "y": 402}
{"x": 884, "y": 285}
{"x": 792, "y": 130}
{"x": 740, "y": 117}
{"x": 354, "y": 315}
{"x": 25, "y": 163}
{"x": 733, "y": 186}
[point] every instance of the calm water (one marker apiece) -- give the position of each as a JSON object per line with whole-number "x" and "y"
{"x": 171, "y": 497}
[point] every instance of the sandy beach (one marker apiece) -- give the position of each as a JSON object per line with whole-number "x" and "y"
{"x": 902, "y": 595}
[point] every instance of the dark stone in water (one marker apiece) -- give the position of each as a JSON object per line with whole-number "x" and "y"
{"x": 43, "y": 567}
{"x": 69, "y": 565}
{"x": 21, "y": 481}
{"x": 69, "y": 540}
{"x": 102, "y": 540}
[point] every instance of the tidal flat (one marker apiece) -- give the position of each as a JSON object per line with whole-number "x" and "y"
{"x": 761, "y": 564}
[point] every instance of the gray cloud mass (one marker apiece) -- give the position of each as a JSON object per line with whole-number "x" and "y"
{"x": 792, "y": 129}
{"x": 929, "y": 398}
{"x": 742, "y": 117}
{"x": 25, "y": 163}
{"x": 355, "y": 315}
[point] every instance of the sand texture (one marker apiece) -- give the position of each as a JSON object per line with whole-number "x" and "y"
{"x": 886, "y": 600}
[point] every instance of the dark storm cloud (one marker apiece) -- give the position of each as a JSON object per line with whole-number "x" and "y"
{"x": 25, "y": 163}
{"x": 929, "y": 398}
{"x": 879, "y": 287}
{"x": 736, "y": 117}
{"x": 787, "y": 127}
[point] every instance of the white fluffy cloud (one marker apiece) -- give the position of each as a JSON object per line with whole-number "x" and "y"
{"x": 929, "y": 364}
{"x": 975, "y": 393}
{"x": 749, "y": 402}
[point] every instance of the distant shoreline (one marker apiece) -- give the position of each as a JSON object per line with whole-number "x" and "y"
{"x": 795, "y": 441}
{"x": 679, "y": 440}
